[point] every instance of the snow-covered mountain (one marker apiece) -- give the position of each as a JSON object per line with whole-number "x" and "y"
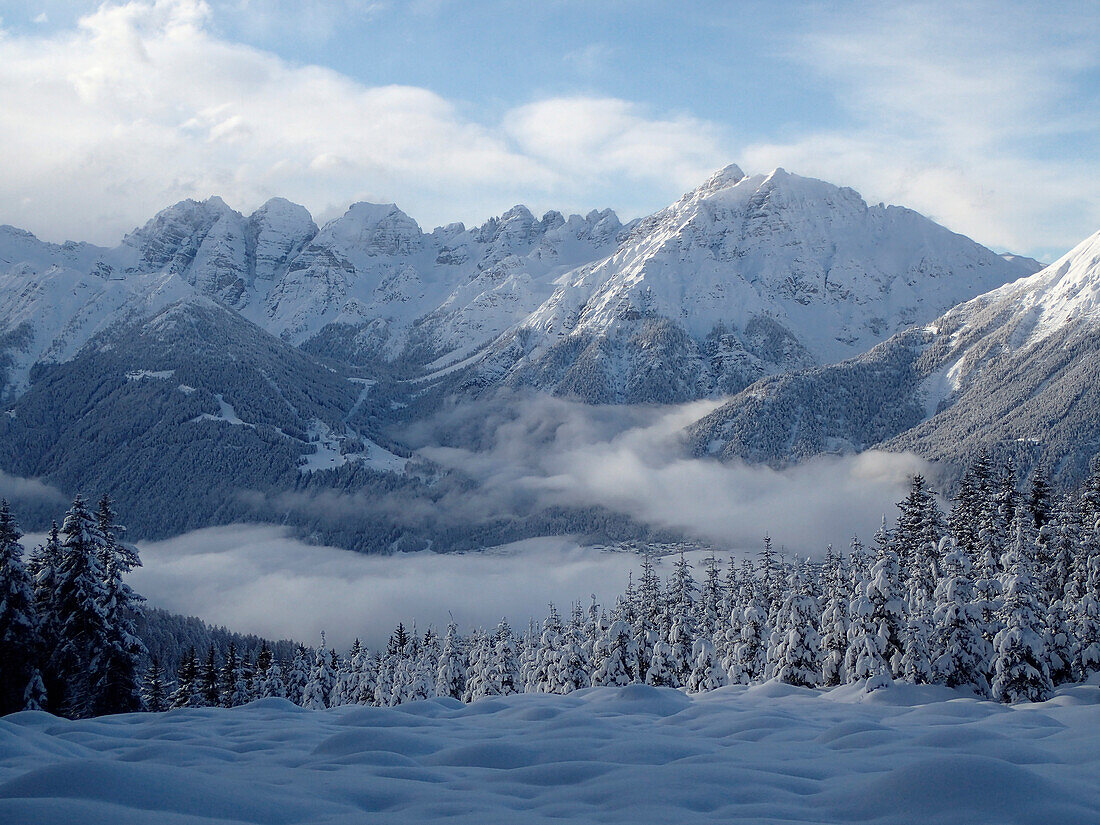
{"x": 741, "y": 278}
{"x": 370, "y": 286}
{"x": 1016, "y": 369}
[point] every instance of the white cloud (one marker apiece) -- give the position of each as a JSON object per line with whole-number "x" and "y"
{"x": 541, "y": 453}
{"x": 258, "y": 580}
{"x": 960, "y": 112}
{"x": 588, "y": 138}
{"x": 144, "y": 105}
{"x": 556, "y": 452}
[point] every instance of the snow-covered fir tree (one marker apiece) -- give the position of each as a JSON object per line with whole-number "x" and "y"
{"x": 834, "y": 620}
{"x": 450, "y": 675}
{"x": 121, "y": 690}
{"x": 706, "y": 670}
{"x": 960, "y": 652}
{"x": 20, "y": 639}
{"x": 616, "y": 661}
{"x": 1021, "y": 665}
{"x": 154, "y": 691}
{"x": 318, "y": 689}
{"x": 76, "y": 607}
{"x": 793, "y": 654}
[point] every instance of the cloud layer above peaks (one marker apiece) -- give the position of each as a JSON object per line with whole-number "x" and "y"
{"x": 981, "y": 115}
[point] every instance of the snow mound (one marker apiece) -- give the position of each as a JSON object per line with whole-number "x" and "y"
{"x": 631, "y": 755}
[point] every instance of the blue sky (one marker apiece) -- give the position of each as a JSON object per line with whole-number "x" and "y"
{"x": 983, "y": 115}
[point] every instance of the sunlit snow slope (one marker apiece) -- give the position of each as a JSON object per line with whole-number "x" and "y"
{"x": 633, "y": 755}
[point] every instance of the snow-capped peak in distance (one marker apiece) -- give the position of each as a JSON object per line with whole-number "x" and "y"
{"x": 742, "y": 277}
{"x": 1012, "y": 370}
{"x": 746, "y": 276}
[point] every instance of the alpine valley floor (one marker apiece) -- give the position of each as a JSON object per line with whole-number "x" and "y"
{"x": 766, "y": 754}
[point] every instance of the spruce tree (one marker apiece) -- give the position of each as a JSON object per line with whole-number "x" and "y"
{"x": 450, "y": 675}
{"x": 209, "y": 692}
{"x": 834, "y": 621}
{"x": 1021, "y": 665}
{"x": 865, "y": 657}
{"x": 120, "y": 692}
{"x": 883, "y": 589}
{"x": 19, "y": 623}
{"x": 616, "y": 657}
{"x": 186, "y": 693}
{"x": 796, "y": 644}
{"x": 706, "y": 671}
{"x": 84, "y": 637}
{"x": 543, "y": 673}
{"x": 297, "y": 675}
{"x": 227, "y": 677}
{"x": 154, "y": 692}
{"x": 316, "y": 693}
{"x": 751, "y": 649}
{"x": 960, "y": 652}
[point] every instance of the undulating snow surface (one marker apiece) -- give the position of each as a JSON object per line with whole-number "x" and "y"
{"x": 637, "y": 754}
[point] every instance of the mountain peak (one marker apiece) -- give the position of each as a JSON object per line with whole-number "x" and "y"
{"x": 724, "y": 178}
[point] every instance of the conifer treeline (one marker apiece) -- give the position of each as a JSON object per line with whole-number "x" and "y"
{"x": 1002, "y": 597}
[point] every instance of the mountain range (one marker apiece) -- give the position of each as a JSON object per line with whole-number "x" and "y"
{"x": 230, "y": 364}
{"x": 1015, "y": 369}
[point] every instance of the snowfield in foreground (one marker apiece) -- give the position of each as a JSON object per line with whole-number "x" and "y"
{"x": 637, "y": 754}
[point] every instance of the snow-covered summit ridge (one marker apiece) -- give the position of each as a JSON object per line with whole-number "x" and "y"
{"x": 780, "y": 270}
{"x": 745, "y": 276}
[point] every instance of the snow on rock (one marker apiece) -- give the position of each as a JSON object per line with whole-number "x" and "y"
{"x": 764, "y": 273}
{"x": 331, "y": 451}
{"x": 632, "y": 755}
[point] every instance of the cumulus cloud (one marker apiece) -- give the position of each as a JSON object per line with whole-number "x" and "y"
{"x": 144, "y": 104}
{"x": 259, "y": 580}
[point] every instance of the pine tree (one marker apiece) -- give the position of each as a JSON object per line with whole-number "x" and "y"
{"x": 346, "y": 687}
{"x": 1021, "y": 665}
{"x": 120, "y": 691}
{"x": 960, "y": 652}
{"x": 794, "y": 648}
{"x": 227, "y": 677}
{"x": 917, "y": 540}
{"x": 271, "y": 684}
{"x": 19, "y": 624}
{"x": 450, "y": 675}
{"x": 43, "y": 568}
{"x": 711, "y": 597}
{"x": 543, "y": 673}
{"x": 1061, "y": 644}
{"x": 209, "y": 692}
{"x": 573, "y": 666}
{"x": 834, "y": 621}
{"x": 154, "y": 692}
{"x": 297, "y": 675}
{"x": 186, "y": 694}
{"x": 316, "y": 693}
{"x": 77, "y": 610}
{"x": 751, "y": 650}
{"x": 865, "y": 657}
{"x": 616, "y": 657}
{"x": 477, "y": 670}
{"x": 504, "y": 667}
{"x": 888, "y": 612}
{"x": 916, "y": 658}
{"x": 706, "y": 672}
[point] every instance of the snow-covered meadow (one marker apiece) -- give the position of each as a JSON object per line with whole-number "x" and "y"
{"x": 638, "y": 754}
